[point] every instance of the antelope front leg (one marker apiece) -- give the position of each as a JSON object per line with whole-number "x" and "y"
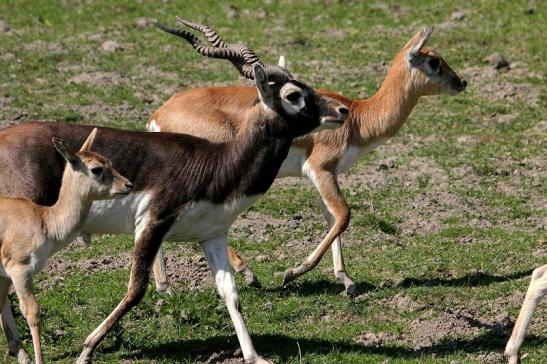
{"x": 338, "y": 215}
{"x": 240, "y": 266}
{"x": 217, "y": 256}
{"x": 146, "y": 247}
{"x": 536, "y": 290}
{"x": 15, "y": 345}
{"x": 22, "y": 282}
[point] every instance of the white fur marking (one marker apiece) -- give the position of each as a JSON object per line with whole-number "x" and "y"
{"x": 153, "y": 126}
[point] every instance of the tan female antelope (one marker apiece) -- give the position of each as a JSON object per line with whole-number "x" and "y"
{"x": 30, "y": 234}
{"x": 536, "y": 291}
{"x": 213, "y": 112}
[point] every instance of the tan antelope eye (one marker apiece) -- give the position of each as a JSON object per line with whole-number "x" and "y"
{"x": 97, "y": 171}
{"x": 293, "y": 96}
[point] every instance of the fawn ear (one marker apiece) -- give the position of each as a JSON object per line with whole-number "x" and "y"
{"x": 416, "y": 43}
{"x": 89, "y": 141}
{"x": 64, "y": 150}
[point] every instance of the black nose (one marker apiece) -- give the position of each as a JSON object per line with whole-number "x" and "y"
{"x": 343, "y": 110}
{"x": 129, "y": 185}
{"x": 464, "y": 83}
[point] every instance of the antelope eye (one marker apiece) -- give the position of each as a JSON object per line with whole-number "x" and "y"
{"x": 293, "y": 96}
{"x": 97, "y": 170}
{"x": 433, "y": 63}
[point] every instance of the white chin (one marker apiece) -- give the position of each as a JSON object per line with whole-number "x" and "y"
{"x": 327, "y": 125}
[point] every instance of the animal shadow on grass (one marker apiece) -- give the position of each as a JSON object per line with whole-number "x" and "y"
{"x": 316, "y": 287}
{"x": 285, "y": 348}
{"x": 469, "y": 280}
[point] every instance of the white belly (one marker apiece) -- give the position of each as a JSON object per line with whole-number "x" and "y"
{"x": 204, "y": 220}
{"x": 201, "y": 221}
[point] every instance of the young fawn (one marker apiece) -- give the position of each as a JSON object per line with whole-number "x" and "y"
{"x": 30, "y": 233}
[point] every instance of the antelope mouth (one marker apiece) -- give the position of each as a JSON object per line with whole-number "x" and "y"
{"x": 330, "y": 122}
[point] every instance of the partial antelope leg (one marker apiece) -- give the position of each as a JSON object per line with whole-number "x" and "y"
{"x": 337, "y": 257}
{"x": 22, "y": 282}
{"x": 536, "y": 290}
{"x": 217, "y": 256}
{"x": 240, "y": 266}
{"x": 148, "y": 241}
{"x": 160, "y": 273}
{"x": 338, "y": 214}
{"x": 15, "y": 345}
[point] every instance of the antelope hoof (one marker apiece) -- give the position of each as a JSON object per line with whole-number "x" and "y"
{"x": 164, "y": 288}
{"x": 260, "y": 360}
{"x": 513, "y": 358}
{"x": 85, "y": 357}
{"x": 351, "y": 286}
{"x": 290, "y": 276}
{"x": 250, "y": 278}
{"x": 23, "y": 357}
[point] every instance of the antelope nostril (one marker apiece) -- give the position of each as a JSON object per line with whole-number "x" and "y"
{"x": 343, "y": 110}
{"x": 129, "y": 185}
{"x": 464, "y": 82}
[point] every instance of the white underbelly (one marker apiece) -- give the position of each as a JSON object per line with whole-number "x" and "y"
{"x": 204, "y": 220}
{"x": 200, "y": 221}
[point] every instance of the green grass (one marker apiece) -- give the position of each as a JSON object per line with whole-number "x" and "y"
{"x": 477, "y": 256}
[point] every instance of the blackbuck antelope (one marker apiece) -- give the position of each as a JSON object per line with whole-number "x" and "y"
{"x": 30, "y": 233}
{"x": 536, "y": 291}
{"x": 213, "y": 113}
{"x": 185, "y": 188}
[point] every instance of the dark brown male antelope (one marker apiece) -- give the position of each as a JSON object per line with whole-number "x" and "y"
{"x": 185, "y": 188}
{"x": 212, "y": 113}
{"x": 30, "y": 234}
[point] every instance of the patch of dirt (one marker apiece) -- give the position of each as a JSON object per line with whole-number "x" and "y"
{"x": 427, "y": 211}
{"x": 257, "y": 225}
{"x": 58, "y": 268}
{"x": 503, "y": 118}
{"x": 106, "y": 113}
{"x": 5, "y": 101}
{"x": 190, "y": 272}
{"x": 403, "y": 302}
{"x": 422, "y": 170}
{"x": 42, "y": 46}
{"x": 4, "y": 27}
{"x": 222, "y": 357}
{"x": 112, "y": 46}
{"x": 425, "y": 331}
{"x": 100, "y": 78}
{"x": 375, "y": 339}
{"x": 496, "y": 88}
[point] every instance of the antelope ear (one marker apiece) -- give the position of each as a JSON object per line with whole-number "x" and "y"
{"x": 89, "y": 141}
{"x": 261, "y": 81}
{"x": 282, "y": 62}
{"x": 64, "y": 150}
{"x": 416, "y": 43}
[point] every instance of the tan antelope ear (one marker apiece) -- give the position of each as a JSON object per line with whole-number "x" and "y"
{"x": 64, "y": 150}
{"x": 89, "y": 141}
{"x": 416, "y": 43}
